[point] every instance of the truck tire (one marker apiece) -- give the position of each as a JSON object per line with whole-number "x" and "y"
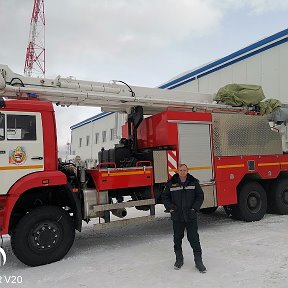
{"x": 278, "y": 195}
{"x": 43, "y": 236}
{"x": 252, "y": 202}
{"x": 209, "y": 210}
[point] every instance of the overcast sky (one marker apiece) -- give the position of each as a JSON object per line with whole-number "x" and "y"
{"x": 142, "y": 42}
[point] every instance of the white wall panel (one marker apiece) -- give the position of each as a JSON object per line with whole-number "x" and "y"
{"x": 283, "y": 73}
{"x": 270, "y": 72}
{"x": 239, "y": 72}
{"x": 268, "y": 69}
{"x": 253, "y": 68}
{"x": 204, "y": 84}
{"x": 226, "y": 76}
{"x": 213, "y": 83}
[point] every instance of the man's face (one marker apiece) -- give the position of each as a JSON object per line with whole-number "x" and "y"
{"x": 182, "y": 170}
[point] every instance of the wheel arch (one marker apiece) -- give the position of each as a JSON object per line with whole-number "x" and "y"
{"x": 255, "y": 177}
{"x": 24, "y": 198}
{"x": 283, "y": 175}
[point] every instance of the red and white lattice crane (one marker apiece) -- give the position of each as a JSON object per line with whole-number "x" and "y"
{"x": 35, "y": 54}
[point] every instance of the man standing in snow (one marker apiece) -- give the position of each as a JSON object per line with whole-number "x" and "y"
{"x": 183, "y": 197}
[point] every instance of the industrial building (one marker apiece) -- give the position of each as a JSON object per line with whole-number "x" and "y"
{"x": 263, "y": 63}
{"x": 90, "y": 135}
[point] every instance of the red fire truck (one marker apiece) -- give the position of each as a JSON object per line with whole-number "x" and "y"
{"x": 234, "y": 153}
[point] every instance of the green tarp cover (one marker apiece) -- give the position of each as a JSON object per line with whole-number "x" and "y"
{"x": 240, "y": 94}
{"x": 246, "y": 95}
{"x": 269, "y": 105}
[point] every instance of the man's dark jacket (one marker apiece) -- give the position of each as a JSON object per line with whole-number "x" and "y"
{"x": 184, "y": 198}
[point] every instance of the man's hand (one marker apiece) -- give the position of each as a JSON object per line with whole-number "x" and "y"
{"x": 169, "y": 211}
{"x": 172, "y": 209}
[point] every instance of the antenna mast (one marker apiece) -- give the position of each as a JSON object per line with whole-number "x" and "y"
{"x": 35, "y": 53}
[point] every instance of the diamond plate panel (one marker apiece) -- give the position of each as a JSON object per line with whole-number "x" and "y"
{"x": 160, "y": 166}
{"x": 238, "y": 134}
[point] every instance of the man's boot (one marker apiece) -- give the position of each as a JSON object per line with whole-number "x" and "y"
{"x": 179, "y": 260}
{"x": 198, "y": 262}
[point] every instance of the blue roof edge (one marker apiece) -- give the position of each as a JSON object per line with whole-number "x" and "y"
{"x": 245, "y": 50}
{"x": 91, "y": 119}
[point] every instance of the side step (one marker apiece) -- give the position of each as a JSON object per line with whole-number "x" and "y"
{"x": 121, "y": 205}
{"x": 124, "y": 222}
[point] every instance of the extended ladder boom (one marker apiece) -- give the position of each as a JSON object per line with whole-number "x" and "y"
{"x": 110, "y": 96}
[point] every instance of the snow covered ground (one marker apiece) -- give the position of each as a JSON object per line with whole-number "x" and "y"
{"x": 236, "y": 254}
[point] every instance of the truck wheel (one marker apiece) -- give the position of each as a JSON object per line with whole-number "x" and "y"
{"x": 279, "y": 197}
{"x": 252, "y": 202}
{"x": 43, "y": 236}
{"x": 209, "y": 210}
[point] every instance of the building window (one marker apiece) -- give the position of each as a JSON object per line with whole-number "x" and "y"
{"x": 80, "y": 142}
{"x": 87, "y": 140}
{"x": 112, "y": 134}
{"x": 96, "y": 138}
{"x": 104, "y": 136}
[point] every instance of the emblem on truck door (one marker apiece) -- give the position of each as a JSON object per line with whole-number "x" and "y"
{"x": 17, "y": 156}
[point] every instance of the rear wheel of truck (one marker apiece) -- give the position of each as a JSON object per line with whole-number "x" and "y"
{"x": 278, "y": 195}
{"x": 252, "y": 202}
{"x": 43, "y": 236}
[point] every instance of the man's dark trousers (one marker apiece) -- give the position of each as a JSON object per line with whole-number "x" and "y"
{"x": 192, "y": 235}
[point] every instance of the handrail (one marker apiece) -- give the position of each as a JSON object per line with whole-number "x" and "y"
{"x": 105, "y": 164}
{"x": 141, "y": 162}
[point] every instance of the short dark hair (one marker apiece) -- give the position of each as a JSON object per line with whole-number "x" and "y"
{"x": 182, "y": 164}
